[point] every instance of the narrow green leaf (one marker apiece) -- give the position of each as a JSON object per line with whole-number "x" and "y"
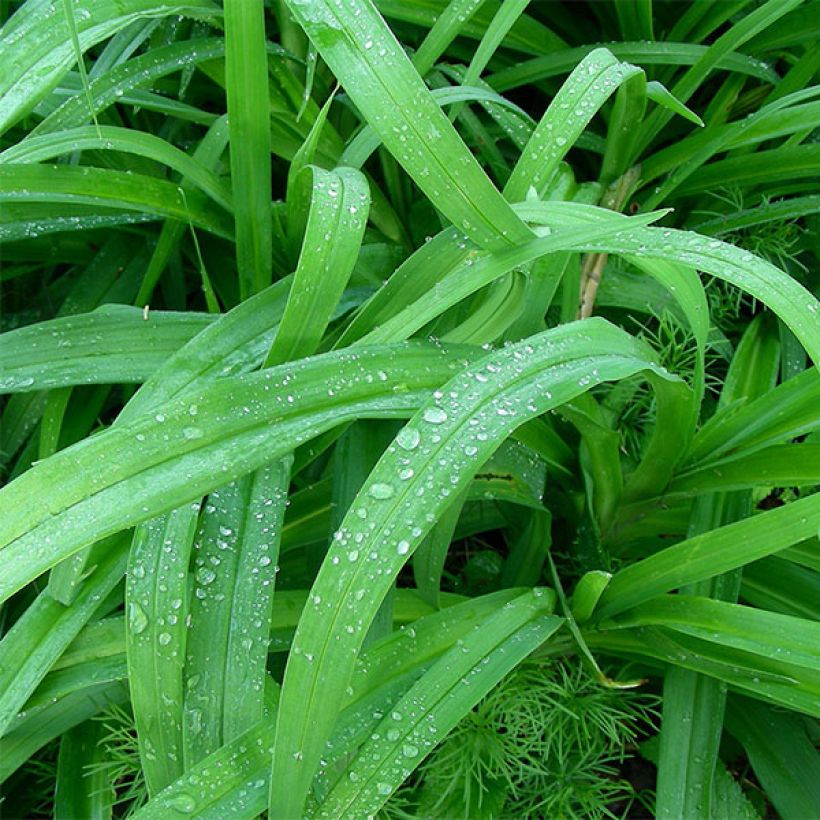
{"x": 782, "y": 756}
{"x": 40, "y": 635}
{"x": 711, "y": 553}
{"x": 156, "y": 603}
{"x": 246, "y": 76}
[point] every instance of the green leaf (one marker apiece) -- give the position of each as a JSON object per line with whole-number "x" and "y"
{"x": 246, "y": 81}
{"x": 156, "y": 604}
{"x": 711, "y": 553}
{"x": 339, "y": 206}
{"x": 40, "y": 635}
{"x": 99, "y": 189}
{"x": 111, "y": 138}
{"x": 114, "y": 344}
{"x": 83, "y": 492}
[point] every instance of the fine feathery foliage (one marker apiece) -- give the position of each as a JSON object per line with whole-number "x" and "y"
{"x": 409, "y": 409}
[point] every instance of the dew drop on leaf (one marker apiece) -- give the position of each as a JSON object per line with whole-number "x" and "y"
{"x": 434, "y": 415}
{"x": 183, "y": 802}
{"x": 137, "y": 619}
{"x": 381, "y": 491}
{"x": 408, "y": 438}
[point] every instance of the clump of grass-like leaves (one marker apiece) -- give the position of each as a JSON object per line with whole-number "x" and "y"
{"x": 381, "y": 381}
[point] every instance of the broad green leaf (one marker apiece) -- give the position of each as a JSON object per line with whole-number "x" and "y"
{"x": 111, "y": 138}
{"x": 83, "y": 787}
{"x": 785, "y": 639}
{"x": 400, "y": 656}
{"x": 588, "y": 87}
{"x": 99, "y": 189}
{"x": 227, "y": 638}
{"x": 163, "y": 458}
{"x": 793, "y": 303}
{"x": 339, "y": 206}
{"x": 481, "y": 268}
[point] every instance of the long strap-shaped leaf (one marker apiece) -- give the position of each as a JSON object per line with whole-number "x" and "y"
{"x": 589, "y": 86}
{"x": 339, "y": 206}
{"x": 115, "y": 344}
{"x": 451, "y": 436}
{"x": 104, "y": 189}
{"x": 793, "y": 303}
{"x": 226, "y": 653}
{"x": 363, "y": 53}
{"x": 239, "y": 783}
{"x": 156, "y": 602}
{"x": 246, "y": 86}
{"x": 711, "y": 553}
{"x": 113, "y": 138}
{"x": 182, "y": 449}
{"x": 114, "y": 85}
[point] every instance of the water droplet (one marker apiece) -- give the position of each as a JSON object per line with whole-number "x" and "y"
{"x": 408, "y": 438}
{"x": 434, "y": 415}
{"x": 383, "y": 788}
{"x": 164, "y": 638}
{"x": 191, "y": 433}
{"x": 137, "y": 619}
{"x": 183, "y": 802}
{"x": 381, "y": 491}
{"x": 205, "y": 576}
{"x": 403, "y": 547}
